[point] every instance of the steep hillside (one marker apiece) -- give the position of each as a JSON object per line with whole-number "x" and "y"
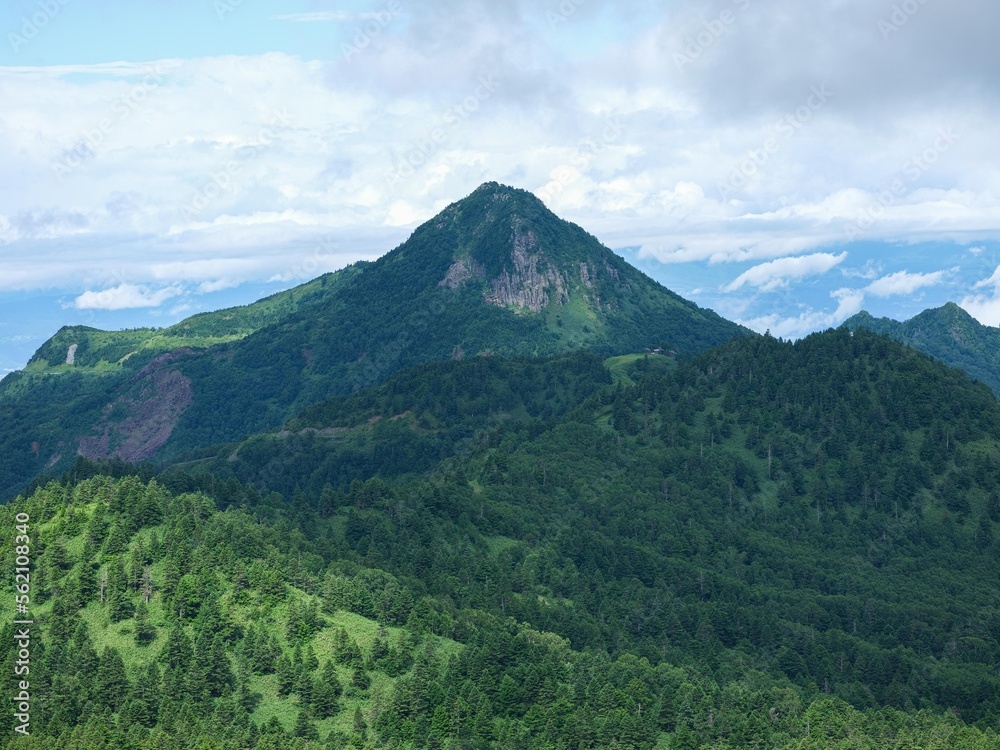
{"x": 407, "y": 425}
{"x": 496, "y": 273}
{"x": 101, "y": 393}
{"x": 830, "y": 505}
{"x": 947, "y": 333}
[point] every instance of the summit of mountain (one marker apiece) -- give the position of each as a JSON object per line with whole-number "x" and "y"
{"x": 556, "y": 287}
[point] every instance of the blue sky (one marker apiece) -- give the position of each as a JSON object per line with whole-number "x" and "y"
{"x": 92, "y": 32}
{"x": 784, "y": 163}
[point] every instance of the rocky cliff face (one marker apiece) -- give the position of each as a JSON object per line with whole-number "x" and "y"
{"x": 530, "y": 283}
{"x": 525, "y": 286}
{"x": 524, "y": 257}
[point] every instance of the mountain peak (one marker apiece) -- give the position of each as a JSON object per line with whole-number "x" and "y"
{"x": 499, "y": 190}
{"x": 948, "y": 314}
{"x": 492, "y": 186}
{"x": 505, "y": 241}
{"x": 502, "y": 246}
{"x": 955, "y": 310}
{"x": 948, "y": 333}
{"x": 494, "y": 202}
{"x": 859, "y": 318}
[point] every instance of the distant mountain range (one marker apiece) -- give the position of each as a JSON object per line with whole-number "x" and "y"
{"x": 948, "y": 334}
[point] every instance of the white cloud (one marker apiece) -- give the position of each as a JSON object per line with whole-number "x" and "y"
{"x": 217, "y": 285}
{"x": 904, "y": 282}
{"x": 993, "y": 281}
{"x": 849, "y": 302}
{"x": 124, "y": 297}
{"x": 637, "y": 164}
{"x": 778, "y": 273}
{"x": 985, "y": 307}
{"x": 402, "y": 214}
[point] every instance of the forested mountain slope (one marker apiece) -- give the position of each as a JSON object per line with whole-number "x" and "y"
{"x": 947, "y": 333}
{"x": 494, "y": 273}
{"x": 770, "y": 545}
{"x": 87, "y": 350}
{"x": 407, "y": 425}
{"x": 112, "y": 392}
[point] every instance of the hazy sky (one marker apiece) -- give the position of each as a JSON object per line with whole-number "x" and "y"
{"x": 785, "y": 162}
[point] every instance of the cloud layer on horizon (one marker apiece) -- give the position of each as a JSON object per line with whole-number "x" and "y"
{"x": 762, "y": 135}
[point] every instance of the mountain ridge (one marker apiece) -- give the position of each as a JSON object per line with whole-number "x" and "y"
{"x": 495, "y": 273}
{"x": 102, "y": 351}
{"x": 947, "y": 333}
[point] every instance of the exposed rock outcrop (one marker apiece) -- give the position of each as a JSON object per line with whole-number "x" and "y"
{"x": 138, "y": 423}
{"x": 460, "y": 272}
{"x": 526, "y": 286}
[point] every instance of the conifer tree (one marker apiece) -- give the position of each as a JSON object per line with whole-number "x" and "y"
{"x": 145, "y": 631}
{"x": 326, "y": 692}
{"x": 286, "y": 676}
{"x": 177, "y": 652}
{"x": 304, "y": 688}
{"x": 116, "y": 542}
{"x": 111, "y": 683}
{"x": 360, "y": 678}
{"x": 304, "y": 727}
